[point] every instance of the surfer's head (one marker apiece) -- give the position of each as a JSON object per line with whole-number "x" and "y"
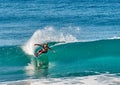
{"x": 45, "y": 45}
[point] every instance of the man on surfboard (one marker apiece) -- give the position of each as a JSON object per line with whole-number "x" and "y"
{"x": 44, "y": 49}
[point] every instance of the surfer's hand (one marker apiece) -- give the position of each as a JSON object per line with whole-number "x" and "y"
{"x": 35, "y": 44}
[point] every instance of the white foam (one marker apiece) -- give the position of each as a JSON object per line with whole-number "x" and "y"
{"x": 30, "y": 69}
{"x": 48, "y": 34}
{"x": 115, "y": 37}
{"x": 103, "y": 79}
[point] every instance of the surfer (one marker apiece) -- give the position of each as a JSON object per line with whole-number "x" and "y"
{"x": 44, "y": 49}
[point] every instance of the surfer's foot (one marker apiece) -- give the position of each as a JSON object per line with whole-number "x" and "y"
{"x": 36, "y": 54}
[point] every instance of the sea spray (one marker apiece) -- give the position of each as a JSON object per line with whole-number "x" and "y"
{"x": 48, "y": 34}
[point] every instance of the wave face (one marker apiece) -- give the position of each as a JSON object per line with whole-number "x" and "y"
{"x": 70, "y": 59}
{"x": 12, "y": 62}
{"x": 97, "y": 56}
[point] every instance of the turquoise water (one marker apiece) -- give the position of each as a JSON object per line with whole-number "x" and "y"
{"x": 87, "y": 58}
{"x": 84, "y": 33}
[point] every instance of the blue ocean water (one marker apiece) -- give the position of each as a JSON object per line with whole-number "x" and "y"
{"x": 88, "y": 29}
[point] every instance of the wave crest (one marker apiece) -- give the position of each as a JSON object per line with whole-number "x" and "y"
{"x": 48, "y": 34}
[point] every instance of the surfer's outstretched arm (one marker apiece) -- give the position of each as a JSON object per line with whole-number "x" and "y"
{"x": 52, "y": 50}
{"x": 38, "y": 44}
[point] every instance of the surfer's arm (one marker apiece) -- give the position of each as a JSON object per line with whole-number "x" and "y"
{"x": 38, "y": 44}
{"x": 52, "y": 50}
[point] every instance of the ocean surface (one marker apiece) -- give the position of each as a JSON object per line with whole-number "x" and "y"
{"x": 85, "y": 35}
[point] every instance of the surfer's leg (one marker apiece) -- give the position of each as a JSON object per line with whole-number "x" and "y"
{"x": 39, "y": 53}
